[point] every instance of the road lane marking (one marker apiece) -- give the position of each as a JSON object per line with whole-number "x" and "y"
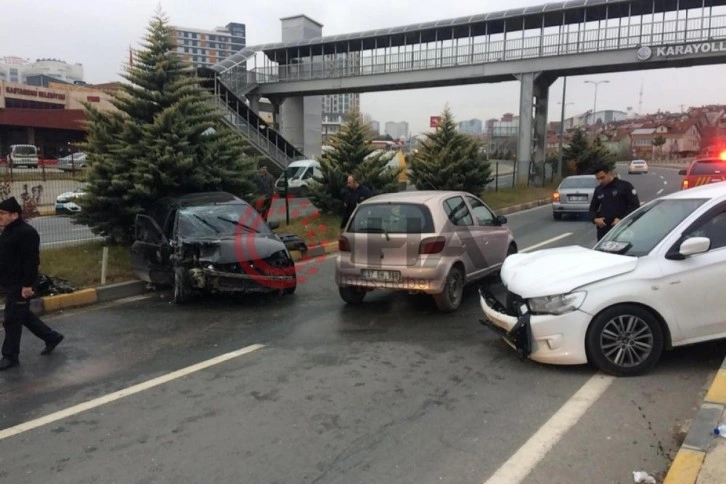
{"x": 662, "y": 177}
{"x": 660, "y": 191}
{"x": 545, "y": 242}
{"x": 522, "y": 462}
{"x": 112, "y": 397}
{"x": 665, "y": 182}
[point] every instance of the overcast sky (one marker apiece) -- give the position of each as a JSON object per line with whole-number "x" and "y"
{"x": 98, "y": 34}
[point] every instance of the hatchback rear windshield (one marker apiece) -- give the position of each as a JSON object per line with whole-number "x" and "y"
{"x": 709, "y": 167}
{"x": 25, "y": 150}
{"x": 585, "y": 182}
{"x": 392, "y": 218}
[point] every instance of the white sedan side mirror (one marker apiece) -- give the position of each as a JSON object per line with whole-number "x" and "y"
{"x": 695, "y": 245}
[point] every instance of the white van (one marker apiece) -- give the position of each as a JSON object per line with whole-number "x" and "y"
{"x": 299, "y": 174}
{"x": 23, "y": 155}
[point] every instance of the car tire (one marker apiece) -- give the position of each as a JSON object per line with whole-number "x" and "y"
{"x": 450, "y": 299}
{"x": 182, "y": 290}
{"x": 625, "y": 340}
{"x": 352, "y": 295}
{"x": 289, "y": 291}
{"x": 557, "y": 216}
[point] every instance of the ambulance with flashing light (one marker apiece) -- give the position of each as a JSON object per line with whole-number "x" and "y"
{"x": 704, "y": 170}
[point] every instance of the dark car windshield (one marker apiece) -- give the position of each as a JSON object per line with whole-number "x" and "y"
{"x": 646, "y": 227}
{"x": 709, "y": 167}
{"x": 578, "y": 182}
{"x": 220, "y": 221}
{"x": 392, "y": 218}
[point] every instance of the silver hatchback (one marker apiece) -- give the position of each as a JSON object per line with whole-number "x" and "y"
{"x": 429, "y": 242}
{"x": 574, "y": 195}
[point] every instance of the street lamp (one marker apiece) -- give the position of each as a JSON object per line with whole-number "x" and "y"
{"x": 594, "y": 106}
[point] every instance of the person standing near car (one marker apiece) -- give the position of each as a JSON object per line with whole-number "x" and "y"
{"x": 19, "y": 261}
{"x": 353, "y": 194}
{"x": 266, "y": 187}
{"x": 613, "y": 199}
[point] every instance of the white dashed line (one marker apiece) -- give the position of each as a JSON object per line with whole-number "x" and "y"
{"x": 660, "y": 191}
{"x": 112, "y": 397}
{"x": 545, "y": 242}
{"x": 522, "y": 462}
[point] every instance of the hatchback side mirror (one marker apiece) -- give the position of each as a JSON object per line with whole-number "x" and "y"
{"x": 682, "y": 172}
{"x": 273, "y": 225}
{"x": 500, "y": 220}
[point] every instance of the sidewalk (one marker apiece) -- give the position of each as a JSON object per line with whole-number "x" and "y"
{"x": 702, "y": 456}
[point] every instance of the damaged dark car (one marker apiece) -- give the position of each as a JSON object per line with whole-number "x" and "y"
{"x": 212, "y": 242}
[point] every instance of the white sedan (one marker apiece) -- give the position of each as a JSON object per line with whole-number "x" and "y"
{"x": 652, "y": 283}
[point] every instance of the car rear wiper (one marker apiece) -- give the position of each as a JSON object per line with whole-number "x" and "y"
{"x": 235, "y": 222}
{"x": 375, "y": 230}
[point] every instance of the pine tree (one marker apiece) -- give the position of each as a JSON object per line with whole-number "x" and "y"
{"x": 597, "y": 154}
{"x": 165, "y": 139}
{"x": 576, "y": 151}
{"x": 449, "y": 160}
{"x": 351, "y": 154}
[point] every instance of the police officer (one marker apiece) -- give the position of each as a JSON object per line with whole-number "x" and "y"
{"x": 612, "y": 200}
{"x": 353, "y": 194}
{"x": 19, "y": 260}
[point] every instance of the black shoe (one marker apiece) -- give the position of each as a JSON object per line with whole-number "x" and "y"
{"x": 51, "y": 346}
{"x": 6, "y": 363}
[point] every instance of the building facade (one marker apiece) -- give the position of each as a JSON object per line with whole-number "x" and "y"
{"x": 17, "y": 70}
{"x": 471, "y": 126}
{"x": 397, "y": 130}
{"x": 207, "y": 47}
{"x": 335, "y": 109}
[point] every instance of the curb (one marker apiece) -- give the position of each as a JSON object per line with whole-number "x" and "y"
{"x": 691, "y": 457}
{"x": 314, "y": 251}
{"x": 523, "y": 206}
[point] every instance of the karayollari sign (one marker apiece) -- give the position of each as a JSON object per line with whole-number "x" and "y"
{"x": 645, "y": 52}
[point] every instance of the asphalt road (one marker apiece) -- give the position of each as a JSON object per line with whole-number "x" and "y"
{"x": 390, "y": 391}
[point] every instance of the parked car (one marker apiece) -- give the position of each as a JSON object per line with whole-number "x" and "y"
{"x": 573, "y": 195}
{"x": 23, "y": 155}
{"x": 638, "y": 166}
{"x": 212, "y": 242}
{"x": 430, "y": 242}
{"x": 703, "y": 171}
{"x": 72, "y": 162}
{"x": 67, "y": 202}
{"x": 651, "y": 284}
{"x": 299, "y": 174}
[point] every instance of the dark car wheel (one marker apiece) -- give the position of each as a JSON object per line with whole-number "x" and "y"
{"x": 625, "y": 340}
{"x": 450, "y": 300}
{"x": 181, "y": 286}
{"x": 352, "y": 295}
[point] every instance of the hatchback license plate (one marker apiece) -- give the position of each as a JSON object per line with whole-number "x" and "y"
{"x": 375, "y": 275}
{"x": 578, "y": 198}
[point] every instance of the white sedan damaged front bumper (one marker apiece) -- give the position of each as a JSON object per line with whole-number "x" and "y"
{"x": 545, "y": 338}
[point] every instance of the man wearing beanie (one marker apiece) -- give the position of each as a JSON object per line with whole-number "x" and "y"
{"x": 19, "y": 261}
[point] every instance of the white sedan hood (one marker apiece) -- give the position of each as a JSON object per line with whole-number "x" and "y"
{"x": 561, "y": 270}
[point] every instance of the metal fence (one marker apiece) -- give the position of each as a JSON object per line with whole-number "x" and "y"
{"x": 49, "y": 198}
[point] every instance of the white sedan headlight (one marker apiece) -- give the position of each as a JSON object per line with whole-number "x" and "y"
{"x": 560, "y": 304}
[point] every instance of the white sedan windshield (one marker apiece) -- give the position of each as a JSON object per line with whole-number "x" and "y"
{"x": 638, "y": 234}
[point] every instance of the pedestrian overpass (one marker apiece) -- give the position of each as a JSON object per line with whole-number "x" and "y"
{"x": 534, "y": 45}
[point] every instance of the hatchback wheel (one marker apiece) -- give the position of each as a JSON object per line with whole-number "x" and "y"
{"x": 450, "y": 300}
{"x": 352, "y": 295}
{"x": 625, "y": 340}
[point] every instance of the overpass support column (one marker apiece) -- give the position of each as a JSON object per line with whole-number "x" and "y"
{"x": 532, "y": 143}
{"x": 254, "y": 103}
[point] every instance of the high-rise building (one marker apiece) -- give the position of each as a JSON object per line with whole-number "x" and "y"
{"x": 472, "y": 127}
{"x": 335, "y": 108}
{"x": 207, "y": 47}
{"x": 375, "y": 127}
{"x": 397, "y": 130}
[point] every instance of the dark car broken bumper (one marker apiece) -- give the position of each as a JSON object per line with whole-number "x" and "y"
{"x": 215, "y": 280}
{"x": 519, "y": 336}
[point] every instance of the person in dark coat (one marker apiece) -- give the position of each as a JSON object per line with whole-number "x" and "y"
{"x": 266, "y": 187}
{"x": 352, "y": 195}
{"x": 19, "y": 261}
{"x": 612, "y": 201}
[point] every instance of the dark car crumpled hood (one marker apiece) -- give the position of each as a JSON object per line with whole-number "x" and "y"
{"x": 236, "y": 249}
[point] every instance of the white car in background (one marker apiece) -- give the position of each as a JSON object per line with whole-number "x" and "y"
{"x": 638, "y": 166}
{"x": 67, "y": 203}
{"x": 652, "y": 283}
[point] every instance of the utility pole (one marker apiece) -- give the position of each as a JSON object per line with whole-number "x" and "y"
{"x": 560, "y": 167}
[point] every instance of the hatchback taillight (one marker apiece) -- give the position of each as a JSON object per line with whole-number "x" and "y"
{"x": 556, "y": 197}
{"x": 432, "y": 245}
{"x": 343, "y": 244}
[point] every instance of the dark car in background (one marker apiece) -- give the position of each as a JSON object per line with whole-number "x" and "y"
{"x": 212, "y": 242}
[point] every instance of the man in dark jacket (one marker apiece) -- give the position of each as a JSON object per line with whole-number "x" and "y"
{"x": 353, "y": 194}
{"x": 266, "y": 187}
{"x": 612, "y": 201}
{"x": 19, "y": 261}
